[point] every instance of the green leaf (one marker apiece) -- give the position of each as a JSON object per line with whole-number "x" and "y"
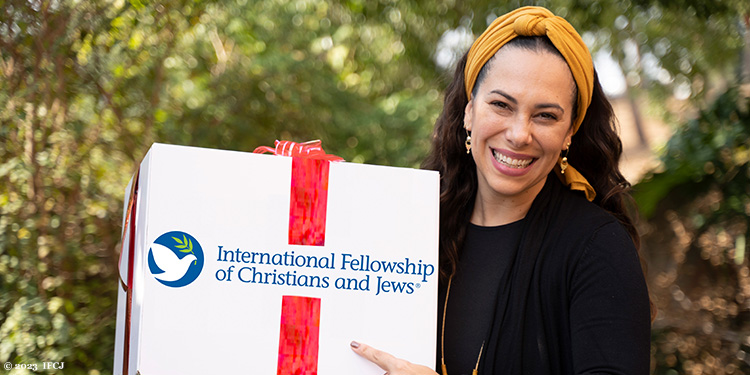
{"x": 181, "y": 243}
{"x": 186, "y": 251}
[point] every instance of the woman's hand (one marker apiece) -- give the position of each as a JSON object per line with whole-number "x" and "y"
{"x": 389, "y": 363}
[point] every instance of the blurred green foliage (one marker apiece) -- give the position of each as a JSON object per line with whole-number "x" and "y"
{"x": 698, "y": 205}
{"x": 710, "y": 152}
{"x": 87, "y": 86}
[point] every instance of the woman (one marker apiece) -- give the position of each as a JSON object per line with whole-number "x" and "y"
{"x": 539, "y": 264}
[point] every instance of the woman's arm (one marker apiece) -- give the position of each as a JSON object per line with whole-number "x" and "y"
{"x": 609, "y": 307}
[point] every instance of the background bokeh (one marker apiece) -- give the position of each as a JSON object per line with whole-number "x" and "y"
{"x": 87, "y": 86}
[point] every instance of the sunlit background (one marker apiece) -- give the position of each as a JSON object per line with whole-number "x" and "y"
{"x": 87, "y": 86}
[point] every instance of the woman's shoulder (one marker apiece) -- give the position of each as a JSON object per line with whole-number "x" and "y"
{"x": 576, "y": 227}
{"x": 584, "y": 218}
{"x": 590, "y": 240}
{"x": 584, "y": 227}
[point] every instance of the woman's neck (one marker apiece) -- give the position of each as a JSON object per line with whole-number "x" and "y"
{"x": 492, "y": 210}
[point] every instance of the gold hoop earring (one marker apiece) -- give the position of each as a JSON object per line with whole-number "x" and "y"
{"x": 564, "y": 160}
{"x": 468, "y": 142}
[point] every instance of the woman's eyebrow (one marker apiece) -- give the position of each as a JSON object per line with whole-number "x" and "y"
{"x": 507, "y": 96}
{"x": 549, "y": 105}
{"x": 538, "y": 106}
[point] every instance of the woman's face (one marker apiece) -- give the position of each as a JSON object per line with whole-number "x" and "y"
{"x": 520, "y": 121}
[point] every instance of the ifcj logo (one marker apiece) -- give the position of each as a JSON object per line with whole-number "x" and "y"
{"x": 175, "y": 259}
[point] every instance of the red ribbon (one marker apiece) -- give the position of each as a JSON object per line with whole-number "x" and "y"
{"x": 310, "y": 150}
{"x": 299, "y": 336}
{"x": 129, "y": 229}
{"x": 309, "y": 190}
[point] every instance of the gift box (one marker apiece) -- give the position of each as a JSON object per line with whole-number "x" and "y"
{"x": 247, "y": 263}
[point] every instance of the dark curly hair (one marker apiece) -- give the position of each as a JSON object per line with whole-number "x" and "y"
{"x": 596, "y": 155}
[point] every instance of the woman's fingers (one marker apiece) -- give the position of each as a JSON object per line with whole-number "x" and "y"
{"x": 384, "y": 360}
{"x": 390, "y": 364}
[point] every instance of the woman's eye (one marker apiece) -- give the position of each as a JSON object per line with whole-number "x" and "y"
{"x": 548, "y": 116}
{"x": 500, "y": 104}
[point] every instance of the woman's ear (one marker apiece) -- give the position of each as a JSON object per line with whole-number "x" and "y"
{"x": 467, "y": 115}
{"x": 568, "y": 139}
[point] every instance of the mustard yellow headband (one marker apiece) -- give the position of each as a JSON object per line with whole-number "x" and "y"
{"x": 538, "y": 21}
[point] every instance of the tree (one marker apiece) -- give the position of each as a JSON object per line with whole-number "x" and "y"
{"x": 698, "y": 207}
{"x": 87, "y": 86}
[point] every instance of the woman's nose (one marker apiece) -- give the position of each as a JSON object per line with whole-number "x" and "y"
{"x": 519, "y": 131}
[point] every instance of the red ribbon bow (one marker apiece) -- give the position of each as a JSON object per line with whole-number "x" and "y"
{"x": 310, "y": 149}
{"x": 309, "y": 190}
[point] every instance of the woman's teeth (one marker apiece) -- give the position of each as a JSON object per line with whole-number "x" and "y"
{"x": 510, "y": 162}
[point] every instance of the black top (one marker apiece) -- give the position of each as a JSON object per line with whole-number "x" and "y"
{"x": 570, "y": 298}
{"x": 485, "y": 261}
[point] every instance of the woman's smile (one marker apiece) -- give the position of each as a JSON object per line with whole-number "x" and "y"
{"x": 511, "y": 160}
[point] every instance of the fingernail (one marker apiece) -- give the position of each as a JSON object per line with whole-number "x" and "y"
{"x": 354, "y": 344}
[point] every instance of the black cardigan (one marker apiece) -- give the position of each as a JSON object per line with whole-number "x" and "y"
{"x": 575, "y": 300}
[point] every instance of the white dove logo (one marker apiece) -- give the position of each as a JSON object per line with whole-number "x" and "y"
{"x": 174, "y": 267}
{"x": 175, "y": 259}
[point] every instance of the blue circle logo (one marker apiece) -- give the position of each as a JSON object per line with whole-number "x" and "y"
{"x": 175, "y": 259}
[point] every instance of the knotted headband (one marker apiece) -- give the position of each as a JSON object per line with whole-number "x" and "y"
{"x": 538, "y": 21}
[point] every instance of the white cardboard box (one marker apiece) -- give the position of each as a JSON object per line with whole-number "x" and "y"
{"x": 227, "y": 214}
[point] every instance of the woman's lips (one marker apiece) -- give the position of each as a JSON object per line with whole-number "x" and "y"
{"x": 512, "y": 160}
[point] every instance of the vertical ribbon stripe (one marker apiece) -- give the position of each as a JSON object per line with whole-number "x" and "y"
{"x": 308, "y": 201}
{"x": 309, "y": 191}
{"x": 130, "y": 225}
{"x": 298, "y": 341}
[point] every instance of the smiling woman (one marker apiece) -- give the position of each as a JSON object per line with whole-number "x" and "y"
{"x": 520, "y": 119}
{"x": 539, "y": 265}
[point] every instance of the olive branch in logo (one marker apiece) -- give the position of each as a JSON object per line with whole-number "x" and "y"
{"x": 186, "y": 246}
